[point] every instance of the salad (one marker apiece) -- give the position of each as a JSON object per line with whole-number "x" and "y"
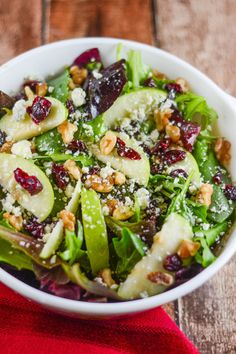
{"x": 113, "y": 180}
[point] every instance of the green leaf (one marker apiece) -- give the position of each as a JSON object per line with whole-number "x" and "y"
{"x": 137, "y": 70}
{"x": 204, "y": 256}
{"x": 215, "y": 232}
{"x": 49, "y": 143}
{"x": 60, "y": 85}
{"x": 85, "y": 160}
{"x": 129, "y": 250}
{"x": 221, "y": 208}
{"x": 14, "y": 257}
{"x": 195, "y": 108}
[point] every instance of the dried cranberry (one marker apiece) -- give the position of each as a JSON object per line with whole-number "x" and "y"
{"x": 149, "y": 82}
{"x": 173, "y": 156}
{"x": 172, "y": 263}
{"x": 32, "y": 84}
{"x": 3, "y": 136}
{"x": 103, "y": 92}
{"x": 87, "y": 57}
{"x": 156, "y": 168}
{"x": 77, "y": 145}
{"x": 230, "y": 192}
{"x": 146, "y": 149}
{"x": 40, "y": 109}
{"x": 29, "y": 183}
{"x": 35, "y": 228}
{"x": 189, "y": 272}
{"x": 161, "y": 146}
{"x": 125, "y": 151}
{"x": 70, "y": 107}
{"x": 60, "y": 175}
{"x": 179, "y": 173}
{"x": 174, "y": 87}
{"x": 188, "y": 130}
{"x": 94, "y": 170}
{"x": 217, "y": 178}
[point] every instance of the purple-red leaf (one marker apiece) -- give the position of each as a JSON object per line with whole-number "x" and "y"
{"x": 87, "y": 57}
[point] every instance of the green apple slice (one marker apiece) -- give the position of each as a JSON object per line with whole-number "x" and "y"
{"x": 39, "y": 204}
{"x": 173, "y": 232}
{"x": 189, "y": 165}
{"x": 146, "y": 100}
{"x": 138, "y": 170}
{"x": 27, "y": 129}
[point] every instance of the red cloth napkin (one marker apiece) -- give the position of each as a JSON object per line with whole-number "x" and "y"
{"x": 27, "y": 328}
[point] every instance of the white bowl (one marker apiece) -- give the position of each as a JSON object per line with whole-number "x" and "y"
{"x": 48, "y": 59}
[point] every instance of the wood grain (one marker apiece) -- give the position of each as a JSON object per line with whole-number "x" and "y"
{"x": 203, "y": 33}
{"x": 123, "y": 19}
{"x": 20, "y": 27}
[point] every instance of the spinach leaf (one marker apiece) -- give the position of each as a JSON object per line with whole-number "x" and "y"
{"x": 60, "y": 85}
{"x": 215, "y": 232}
{"x": 129, "y": 250}
{"x": 221, "y": 208}
{"x": 49, "y": 143}
{"x": 204, "y": 256}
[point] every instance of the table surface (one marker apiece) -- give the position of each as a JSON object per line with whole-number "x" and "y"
{"x": 203, "y": 32}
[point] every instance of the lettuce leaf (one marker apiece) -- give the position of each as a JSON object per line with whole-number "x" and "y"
{"x": 14, "y": 257}
{"x": 136, "y": 69}
{"x": 60, "y": 85}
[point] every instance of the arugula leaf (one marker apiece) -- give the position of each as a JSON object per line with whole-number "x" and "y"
{"x": 137, "y": 71}
{"x": 199, "y": 210}
{"x": 129, "y": 250}
{"x": 191, "y": 105}
{"x": 215, "y": 232}
{"x": 50, "y": 142}
{"x": 13, "y": 257}
{"x": 83, "y": 159}
{"x": 60, "y": 85}
{"x": 73, "y": 243}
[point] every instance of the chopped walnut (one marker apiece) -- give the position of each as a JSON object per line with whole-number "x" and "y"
{"x": 78, "y": 75}
{"x": 107, "y": 143}
{"x": 183, "y": 84}
{"x": 67, "y": 130}
{"x": 112, "y": 205}
{"x": 188, "y": 249}
{"x": 6, "y": 147}
{"x": 105, "y": 274}
{"x": 15, "y": 221}
{"x": 204, "y": 194}
{"x": 119, "y": 178}
{"x": 71, "y": 84}
{"x": 159, "y": 75}
{"x": 73, "y": 169}
{"x": 222, "y": 150}
{"x": 162, "y": 118}
{"x": 29, "y": 93}
{"x": 161, "y": 278}
{"x": 68, "y": 219}
{"x": 41, "y": 89}
{"x": 122, "y": 212}
{"x": 173, "y": 132}
{"x": 99, "y": 184}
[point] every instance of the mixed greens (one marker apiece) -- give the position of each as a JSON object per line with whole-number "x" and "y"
{"x": 113, "y": 184}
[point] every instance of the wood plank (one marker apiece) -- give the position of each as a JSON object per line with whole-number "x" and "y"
{"x": 123, "y": 19}
{"x": 204, "y": 33}
{"x": 20, "y": 27}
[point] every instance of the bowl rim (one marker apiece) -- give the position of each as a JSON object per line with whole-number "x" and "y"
{"x": 126, "y": 307}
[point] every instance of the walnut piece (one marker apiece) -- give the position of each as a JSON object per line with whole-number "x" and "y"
{"x": 107, "y": 143}
{"x": 112, "y": 205}
{"x": 105, "y": 274}
{"x": 41, "y": 89}
{"x": 162, "y": 118}
{"x": 119, "y": 178}
{"x": 67, "y": 130}
{"x": 173, "y": 132}
{"x": 15, "y": 221}
{"x": 68, "y": 219}
{"x": 204, "y": 194}
{"x": 122, "y": 212}
{"x": 183, "y": 84}
{"x": 159, "y": 75}
{"x": 222, "y": 150}
{"x": 161, "y": 278}
{"x": 73, "y": 169}
{"x": 188, "y": 249}
{"x": 78, "y": 75}
{"x": 6, "y": 147}
{"x": 99, "y": 184}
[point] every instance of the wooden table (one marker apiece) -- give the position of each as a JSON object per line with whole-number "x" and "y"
{"x": 201, "y": 31}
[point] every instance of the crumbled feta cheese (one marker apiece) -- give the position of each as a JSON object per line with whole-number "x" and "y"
{"x": 128, "y": 202}
{"x": 105, "y": 210}
{"x": 97, "y": 75}
{"x": 8, "y": 202}
{"x": 154, "y": 135}
{"x": 143, "y": 197}
{"x": 106, "y": 171}
{"x": 50, "y": 89}
{"x": 69, "y": 190}
{"x": 78, "y": 96}
{"x": 85, "y": 169}
{"x": 19, "y": 110}
{"x": 22, "y": 148}
{"x": 88, "y": 130}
